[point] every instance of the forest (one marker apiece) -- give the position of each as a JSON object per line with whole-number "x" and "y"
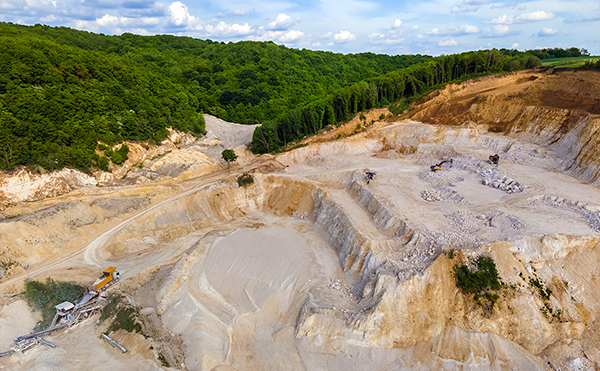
{"x": 398, "y": 87}
{"x": 69, "y": 97}
{"x": 64, "y": 92}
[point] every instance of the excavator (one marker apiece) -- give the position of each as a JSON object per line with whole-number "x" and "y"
{"x": 439, "y": 166}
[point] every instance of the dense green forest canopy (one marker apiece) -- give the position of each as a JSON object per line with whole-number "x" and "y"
{"x": 63, "y": 90}
{"x": 67, "y": 96}
{"x": 397, "y": 86}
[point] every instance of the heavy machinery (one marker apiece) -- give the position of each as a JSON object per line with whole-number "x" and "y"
{"x": 369, "y": 175}
{"x": 108, "y": 278}
{"x": 437, "y": 167}
{"x": 494, "y": 159}
{"x": 72, "y": 313}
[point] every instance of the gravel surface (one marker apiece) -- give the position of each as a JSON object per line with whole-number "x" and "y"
{"x": 230, "y": 134}
{"x": 590, "y": 212}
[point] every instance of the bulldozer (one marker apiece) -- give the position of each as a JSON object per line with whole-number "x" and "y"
{"x": 437, "y": 167}
{"x": 494, "y": 159}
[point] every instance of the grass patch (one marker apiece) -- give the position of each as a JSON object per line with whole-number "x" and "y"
{"x": 569, "y": 62}
{"x": 126, "y": 319}
{"x": 124, "y": 316}
{"x": 44, "y": 296}
{"x": 111, "y": 308}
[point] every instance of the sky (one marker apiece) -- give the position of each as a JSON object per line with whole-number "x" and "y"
{"x": 347, "y": 26}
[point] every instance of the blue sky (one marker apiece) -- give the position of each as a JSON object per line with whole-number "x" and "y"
{"x": 348, "y": 26}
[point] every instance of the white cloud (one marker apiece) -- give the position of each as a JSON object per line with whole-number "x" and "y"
{"x": 282, "y": 22}
{"x": 523, "y": 18}
{"x": 49, "y": 18}
{"x": 179, "y": 15}
{"x": 515, "y": 46}
{"x": 381, "y": 39}
{"x": 330, "y": 43}
{"x": 504, "y": 19}
{"x": 280, "y": 36}
{"x": 547, "y": 31}
{"x": 327, "y": 35}
{"x": 419, "y": 37}
{"x": 28, "y": 7}
{"x": 111, "y": 20}
{"x": 475, "y": 1}
{"x": 500, "y": 30}
{"x": 415, "y": 27}
{"x": 317, "y": 44}
{"x": 397, "y": 23}
{"x": 509, "y": 4}
{"x": 535, "y": 16}
{"x": 450, "y": 42}
{"x": 593, "y": 18}
{"x": 291, "y": 35}
{"x": 465, "y": 9}
{"x": 140, "y": 31}
{"x": 343, "y": 37}
{"x": 463, "y": 29}
{"x": 237, "y": 12}
{"x": 223, "y": 29}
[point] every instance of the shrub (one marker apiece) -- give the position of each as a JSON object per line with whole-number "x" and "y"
{"x": 44, "y": 296}
{"x": 245, "y": 179}
{"x": 544, "y": 291}
{"x": 484, "y": 277}
{"x": 103, "y": 163}
{"x": 480, "y": 281}
{"x": 126, "y": 319}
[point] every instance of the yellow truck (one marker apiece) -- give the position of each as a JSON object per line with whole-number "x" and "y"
{"x": 109, "y": 276}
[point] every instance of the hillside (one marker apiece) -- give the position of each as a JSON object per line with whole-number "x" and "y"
{"x": 62, "y": 90}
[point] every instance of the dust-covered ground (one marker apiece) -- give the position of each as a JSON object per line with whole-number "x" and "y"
{"x": 316, "y": 267}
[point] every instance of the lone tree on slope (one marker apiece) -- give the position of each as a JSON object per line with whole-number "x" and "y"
{"x": 228, "y": 155}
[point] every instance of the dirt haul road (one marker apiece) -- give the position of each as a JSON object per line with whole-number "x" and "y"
{"x": 92, "y": 254}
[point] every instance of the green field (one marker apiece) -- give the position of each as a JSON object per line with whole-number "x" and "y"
{"x": 569, "y": 62}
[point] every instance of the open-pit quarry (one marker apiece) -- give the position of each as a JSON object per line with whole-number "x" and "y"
{"x": 315, "y": 267}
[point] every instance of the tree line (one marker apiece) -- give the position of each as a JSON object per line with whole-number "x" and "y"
{"x": 380, "y": 91}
